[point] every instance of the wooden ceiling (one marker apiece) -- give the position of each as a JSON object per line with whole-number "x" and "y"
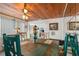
{"x": 45, "y": 10}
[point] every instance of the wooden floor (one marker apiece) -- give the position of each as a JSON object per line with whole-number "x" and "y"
{"x": 41, "y": 48}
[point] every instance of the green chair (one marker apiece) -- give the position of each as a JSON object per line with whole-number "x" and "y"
{"x": 12, "y": 45}
{"x": 73, "y": 40}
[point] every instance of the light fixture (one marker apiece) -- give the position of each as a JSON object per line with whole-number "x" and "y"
{"x": 25, "y": 17}
{"x": 25, "y": 12}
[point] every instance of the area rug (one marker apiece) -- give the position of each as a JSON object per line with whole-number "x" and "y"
{"x": 48, "y": 41}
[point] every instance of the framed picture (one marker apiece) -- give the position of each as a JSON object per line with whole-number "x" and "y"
{"x": 53, "y": 26}
{"x": 73, "y": 25}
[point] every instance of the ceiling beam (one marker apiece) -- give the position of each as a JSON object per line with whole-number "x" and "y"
{"x": 10, "y": 16}
{"x": 65, "y": 9}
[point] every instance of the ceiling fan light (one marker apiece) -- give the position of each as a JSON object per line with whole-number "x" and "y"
{"x": 25, "y": 10}
{"x": 26, "y": 17}
{"x": 23, "y": 16}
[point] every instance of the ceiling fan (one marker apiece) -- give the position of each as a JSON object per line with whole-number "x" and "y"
{"x": 25, "y": 11}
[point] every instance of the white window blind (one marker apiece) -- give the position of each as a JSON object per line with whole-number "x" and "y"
{"x": 7, "y": 25}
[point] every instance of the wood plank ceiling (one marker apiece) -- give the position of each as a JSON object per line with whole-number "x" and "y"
{"x": 46, "y": 10}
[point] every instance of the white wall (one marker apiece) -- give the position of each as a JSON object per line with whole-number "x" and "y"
{"x": 62, "y": 26}
{"x": 39, "y": 23}
{"x": 0, "y": 26}
{"x": 45, "y": 24}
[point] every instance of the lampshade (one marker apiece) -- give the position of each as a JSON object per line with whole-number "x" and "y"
{"x": 25, "y": 10}
{"x": 25, "y": 17}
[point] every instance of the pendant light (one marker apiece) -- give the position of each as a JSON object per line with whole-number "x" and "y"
{"x": 25, "y": 11}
